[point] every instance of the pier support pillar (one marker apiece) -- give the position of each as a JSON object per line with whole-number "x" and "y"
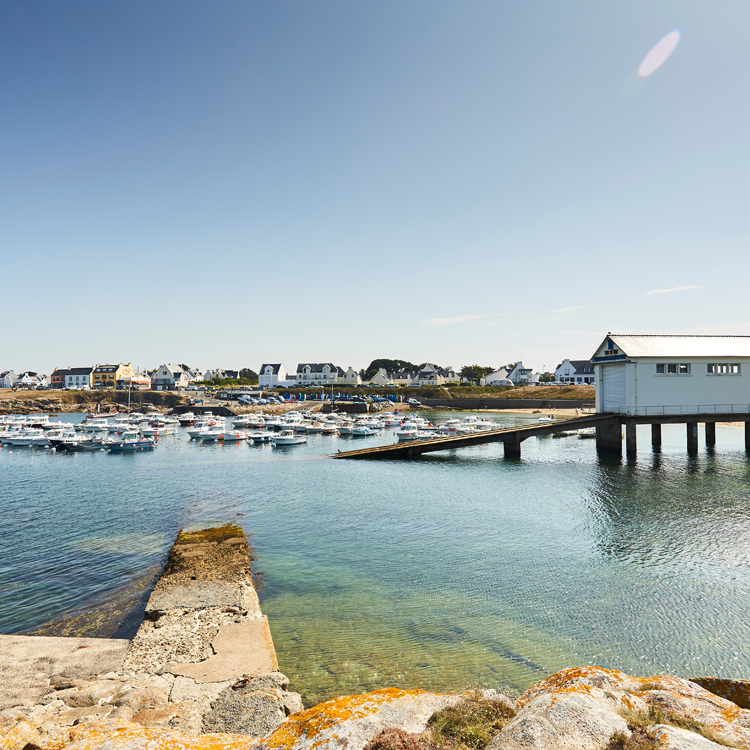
{"x": 631, "y": 442}
{"x": 609, "y": 437}
{"x": 656, "y": 436}
{"x": 710, "y": 434}
{"x": 692, "y": 437}
{"x": 747, "y": 436}
{"x": 512, "y": 447}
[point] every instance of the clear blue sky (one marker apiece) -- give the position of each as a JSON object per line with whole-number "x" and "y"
{"x": 230, "y": 183}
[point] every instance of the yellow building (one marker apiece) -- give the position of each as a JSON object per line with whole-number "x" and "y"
{"x": 107, "y": 376}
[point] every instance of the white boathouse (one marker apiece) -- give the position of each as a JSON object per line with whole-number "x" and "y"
{"x": 652, "y": 375}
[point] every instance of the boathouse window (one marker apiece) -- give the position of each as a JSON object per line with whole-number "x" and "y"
{"x": 717, "y": 369}
{"x": 672, "y": 369}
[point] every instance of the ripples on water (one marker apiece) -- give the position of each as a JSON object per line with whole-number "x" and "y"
{"x": 439, "y": 572}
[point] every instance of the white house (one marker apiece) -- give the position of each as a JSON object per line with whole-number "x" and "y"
{"x": 381, "y": 378}
{"x": 402, "y": 377}
{"x": 317, "y": 373}
{"x": 30, "y": 380}
{"x": 350, "y": 377}
{"x": 575, "y": 371}
{"x": 193, "y": 374}
{"x": 269, "y": 376}
{"x": 519, "y": 375}
{"x": 499, "y": 377}
{"x": 7, "y": 379}
{"x": 78, "y": 377}
{"x": 430, "y": 375}
{"x": 672, "y": 374}
{"x": 216, "y": 374}
{"x": 169, "y": 378}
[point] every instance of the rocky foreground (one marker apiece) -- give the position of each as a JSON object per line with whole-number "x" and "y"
{"x": 585, "y": 708}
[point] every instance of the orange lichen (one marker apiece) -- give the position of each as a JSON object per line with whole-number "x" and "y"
{"x": 568, "y": 678}
{"x": 323, "y": 717}
{"x": 127, "y": 735}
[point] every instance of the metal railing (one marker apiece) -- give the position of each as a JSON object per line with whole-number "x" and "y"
{"x": 658, "y": 411}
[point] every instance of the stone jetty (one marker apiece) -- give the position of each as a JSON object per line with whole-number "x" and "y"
{"x": 202, "y": 661}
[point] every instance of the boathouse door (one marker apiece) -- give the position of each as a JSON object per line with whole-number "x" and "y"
{"x": 613, "y": 387}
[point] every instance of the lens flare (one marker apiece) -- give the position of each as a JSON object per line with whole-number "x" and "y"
{"x": 659, "y": 54}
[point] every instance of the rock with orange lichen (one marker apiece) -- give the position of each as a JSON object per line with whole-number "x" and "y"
{"x": 737, "y": 691}
{"x": 18, "y": 736}
{"x": 350, "y": 722}
{"x": 580, "y": 709}
{"x": 109, "y": 735}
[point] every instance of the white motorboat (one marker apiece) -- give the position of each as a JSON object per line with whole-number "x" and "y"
{"x": 119, "y": 424}
{"x": 63, "y": 440}
{"x": 203, "y": 425}
{"x": 450, "y": 426}
{"x": 261, "y": 436}
{"x": 130, "y": 442}
{"x": 211, "y": 434}
{"x": 288, "y": 437}
{"x": 233, "y": 436}
{"x": 28, "y": 438}
{"x": 93, "y": 425}
{"x": 408, "y": 433}
{"x": 330, "y": 429}
{"x": 587, "y": 433}
{"x": 362, "y": 430}
{"x": 315, "y": 427}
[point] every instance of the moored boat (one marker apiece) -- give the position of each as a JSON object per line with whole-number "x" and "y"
{"x": 130, "y": 442}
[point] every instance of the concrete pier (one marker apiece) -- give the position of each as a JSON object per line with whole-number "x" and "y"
{"x": 631, "y": 442}
{"x": 710, "y": 434}
{"x": 692, "y": 437}
{"x": 609, "y": 437}
{"x": 512, "y": 447}
{"x": 656, "y": 436}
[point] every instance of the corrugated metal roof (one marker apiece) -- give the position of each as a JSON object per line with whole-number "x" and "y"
{"x": 682, "y": 346}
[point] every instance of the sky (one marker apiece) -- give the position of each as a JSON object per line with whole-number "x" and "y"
{"x": 236, "y": 182}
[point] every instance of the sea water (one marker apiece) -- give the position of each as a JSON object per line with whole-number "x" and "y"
{"x": 442, "y": 572}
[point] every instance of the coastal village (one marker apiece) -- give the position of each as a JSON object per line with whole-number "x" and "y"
{"x": 169, "y": 377}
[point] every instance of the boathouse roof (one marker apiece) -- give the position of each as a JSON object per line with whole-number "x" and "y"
{"x": 651, "y": 345}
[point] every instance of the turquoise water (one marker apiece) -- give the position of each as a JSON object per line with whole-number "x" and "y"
{"x": 440, "y": 572}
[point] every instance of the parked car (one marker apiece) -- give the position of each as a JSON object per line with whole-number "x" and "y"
{"x": 414, "y": 402}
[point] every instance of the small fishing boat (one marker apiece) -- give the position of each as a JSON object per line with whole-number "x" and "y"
{"x": 362, "y": 430}
{"x": 130, "y": 442}
{"x": 260, "y": 436}
{"x": 234, "y": 436}
{"x": 211, "y": 434}
{"x": 288, "y": 437}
